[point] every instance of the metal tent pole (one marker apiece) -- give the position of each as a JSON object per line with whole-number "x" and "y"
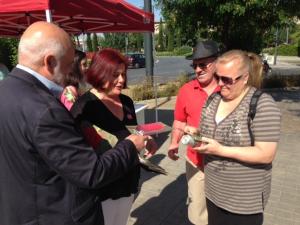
{"x": 48, "y": 16}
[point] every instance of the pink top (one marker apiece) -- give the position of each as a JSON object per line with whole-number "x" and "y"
{"x": 69, "y": 96}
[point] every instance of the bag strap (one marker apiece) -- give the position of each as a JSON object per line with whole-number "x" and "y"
{"x": 252, "y": 111}
{"x": 210, "y": 98}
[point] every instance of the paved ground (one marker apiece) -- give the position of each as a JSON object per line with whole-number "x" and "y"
{"x": 161, "y": 200}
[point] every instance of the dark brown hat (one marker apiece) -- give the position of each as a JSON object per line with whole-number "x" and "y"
{"x": 204, "y": 49}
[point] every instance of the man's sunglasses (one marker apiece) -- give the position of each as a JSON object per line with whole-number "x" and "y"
{"x": 202, "y": 66}
{"x": 228, "y": 80}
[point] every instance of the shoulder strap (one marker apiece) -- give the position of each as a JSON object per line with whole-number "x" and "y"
{"x": 252, "y": 111}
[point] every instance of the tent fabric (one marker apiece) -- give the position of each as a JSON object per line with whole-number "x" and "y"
{"x": 75, "y": 16}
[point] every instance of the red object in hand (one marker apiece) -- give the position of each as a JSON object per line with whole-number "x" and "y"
{"x": 150, "y": 127}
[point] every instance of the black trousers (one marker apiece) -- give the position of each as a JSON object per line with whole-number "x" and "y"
{"x": 219, "y": 216}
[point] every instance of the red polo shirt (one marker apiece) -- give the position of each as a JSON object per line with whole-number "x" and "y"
{"x": 190, "y": 100}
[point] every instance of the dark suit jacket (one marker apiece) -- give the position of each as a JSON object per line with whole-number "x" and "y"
{"x": 46, "y": 168}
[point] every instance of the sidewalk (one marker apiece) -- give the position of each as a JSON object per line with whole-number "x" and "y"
{"x": 161, "y": 200}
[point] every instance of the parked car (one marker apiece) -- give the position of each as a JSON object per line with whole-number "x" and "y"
{"x": 135, "y": 60}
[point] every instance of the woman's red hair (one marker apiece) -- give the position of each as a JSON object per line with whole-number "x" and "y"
{"x": 103, "y": 66}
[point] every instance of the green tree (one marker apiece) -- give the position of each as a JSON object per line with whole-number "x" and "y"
{"x": 178, "y": 38}
{"x": 95, "y": 42}
{"x": 160, "y": 42}
{"x": 135, "y": 42}
{"x": 89, "y": 43}
{"x": 8, "y": 51}
{"x": 114, "y": 40}
{"x": 235, "y": 24}
{"x": 139, "y": 42}
{"x": 170, "y": 38}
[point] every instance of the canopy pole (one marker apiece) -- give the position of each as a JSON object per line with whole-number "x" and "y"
{"x": 48, "y": 16}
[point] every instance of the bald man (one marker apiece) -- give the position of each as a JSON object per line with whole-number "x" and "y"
{"x": 46, "y": 168}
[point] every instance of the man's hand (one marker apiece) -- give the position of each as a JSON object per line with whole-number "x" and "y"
{"x": 191, "y": 130}
{"x": 173, "y": 152}
{"x": 151, "y": 148}
{"x": 138, "y": 140}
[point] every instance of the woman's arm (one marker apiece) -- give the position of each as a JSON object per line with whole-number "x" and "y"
{"x": 260, "y": 153}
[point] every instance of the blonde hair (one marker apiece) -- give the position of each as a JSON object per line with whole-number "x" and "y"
{"x": 248, "y": 62}
{"x": 256, "y": 70}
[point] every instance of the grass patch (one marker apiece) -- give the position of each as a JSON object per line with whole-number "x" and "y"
{"x": 145, "y": 90}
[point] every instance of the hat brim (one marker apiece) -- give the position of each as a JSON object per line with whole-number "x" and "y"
{"x": 191, "y": 57}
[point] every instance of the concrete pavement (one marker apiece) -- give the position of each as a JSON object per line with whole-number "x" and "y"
{"x": 161, "y": 200}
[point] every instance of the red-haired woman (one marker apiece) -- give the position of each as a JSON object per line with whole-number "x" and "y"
{"x": 107, "y": 110}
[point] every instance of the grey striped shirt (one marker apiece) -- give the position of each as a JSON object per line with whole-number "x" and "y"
{"x": 232, "y": 185}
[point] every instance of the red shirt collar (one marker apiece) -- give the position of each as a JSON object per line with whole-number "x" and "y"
{"x": 197, "y": 85}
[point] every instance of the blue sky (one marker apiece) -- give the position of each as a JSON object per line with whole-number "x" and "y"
{"x": 140, "y": 4}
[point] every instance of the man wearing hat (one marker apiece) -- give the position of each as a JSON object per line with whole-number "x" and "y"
{"x": 190, "y": 99}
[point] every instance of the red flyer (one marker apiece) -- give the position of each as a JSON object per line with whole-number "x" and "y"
{"x": 151, "y": 128}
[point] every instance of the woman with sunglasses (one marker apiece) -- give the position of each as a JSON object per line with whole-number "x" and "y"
{"x": 237, "y": 173}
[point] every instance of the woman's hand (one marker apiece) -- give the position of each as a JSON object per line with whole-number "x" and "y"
{"x": 209, "y": 146}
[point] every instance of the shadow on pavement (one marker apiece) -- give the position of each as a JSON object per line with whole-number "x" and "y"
{"x": 147, "y": 175}
{"x": 292, "y": 95}
{"x": 168, "y": 208}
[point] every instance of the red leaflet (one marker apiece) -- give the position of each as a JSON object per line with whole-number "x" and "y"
{"x": 151, "y": 127}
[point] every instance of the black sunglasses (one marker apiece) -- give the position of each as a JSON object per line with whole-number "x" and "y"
{"x": 202, "y": 66}
{"x": 227, "y": 80}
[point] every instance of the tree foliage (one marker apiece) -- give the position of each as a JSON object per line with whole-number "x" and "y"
{"x": 89, "y": 43}
{"x": 170, "y": 38}
{"x": 113, "y": 40}
{"x": 135, "y": 42}
{"x": 8, "y": 51}
{"x": 160, "y": 41}
{"x": 95, "y": 42}
{"x": 235, "y": 24}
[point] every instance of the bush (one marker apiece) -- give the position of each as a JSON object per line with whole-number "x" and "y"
{"x": 8, "y": 52}
{"x": 142, "y": 92}
{"x": 165, "y": 53}
{"x": 285, "y": 50}
{"x": 183, "y": 50}
{"x": 171, "y": 88}
{"x": 145, "y": 90}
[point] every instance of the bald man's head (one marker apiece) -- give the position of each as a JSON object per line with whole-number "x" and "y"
{"x": 43, "y": 47}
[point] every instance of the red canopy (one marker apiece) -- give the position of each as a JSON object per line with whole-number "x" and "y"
{"x": 74, "y": 16}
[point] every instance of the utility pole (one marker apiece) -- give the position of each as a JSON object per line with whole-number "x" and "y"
{"x": 148, "y": 45}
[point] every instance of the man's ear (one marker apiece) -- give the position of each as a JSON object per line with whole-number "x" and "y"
{"x": 50, "y": 63}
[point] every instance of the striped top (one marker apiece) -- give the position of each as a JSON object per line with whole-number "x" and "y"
{"x": 230, "y": 184}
